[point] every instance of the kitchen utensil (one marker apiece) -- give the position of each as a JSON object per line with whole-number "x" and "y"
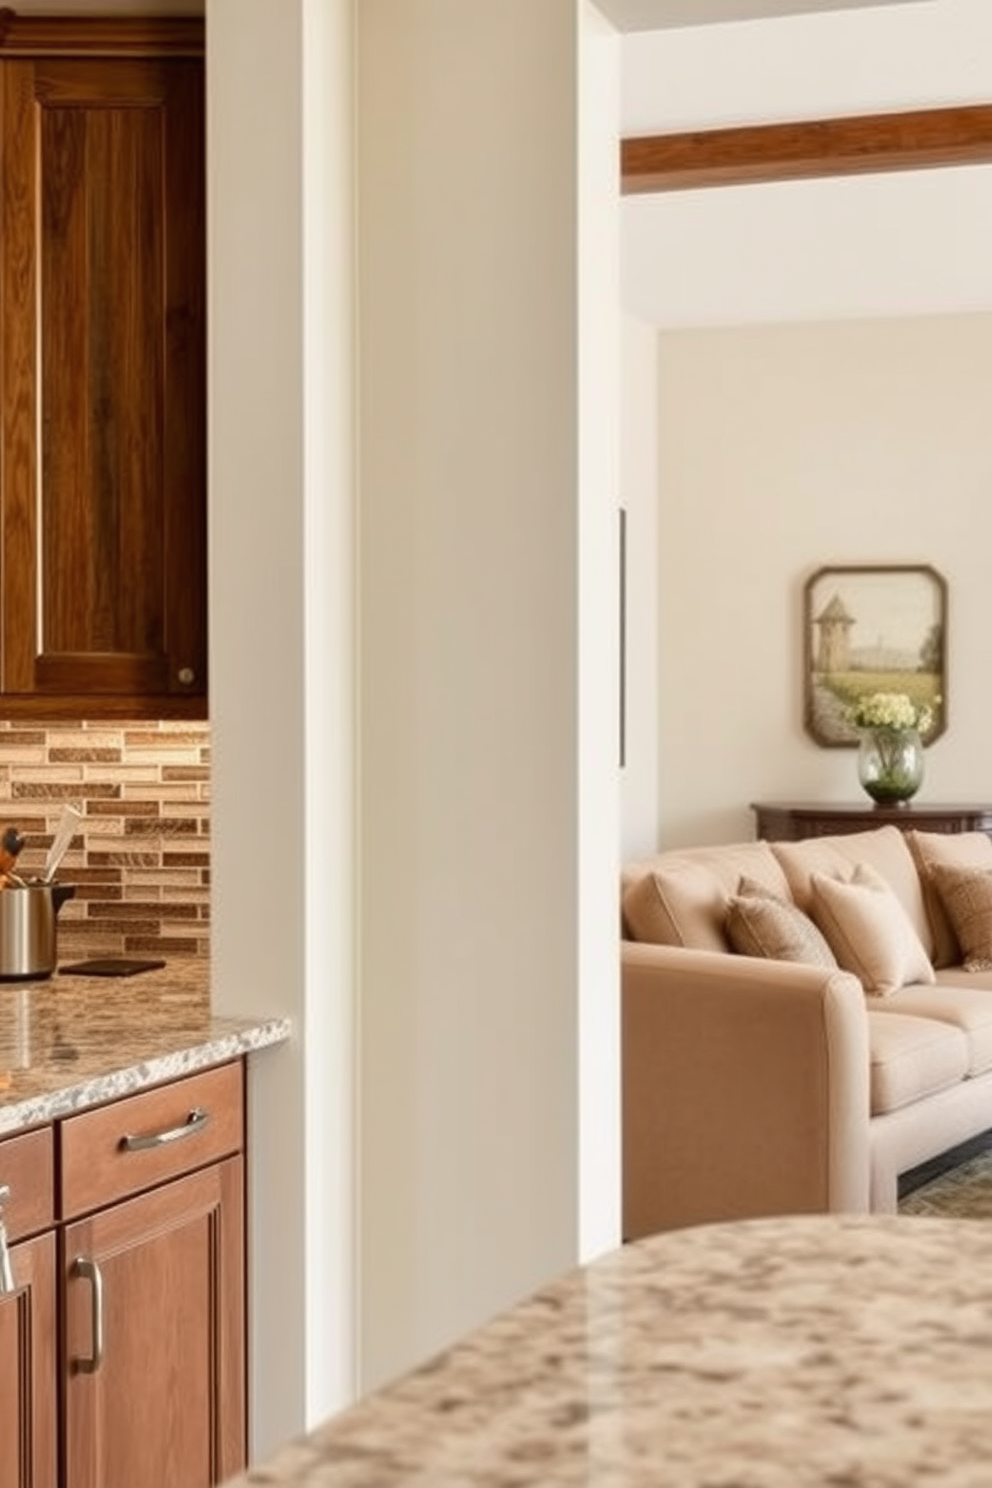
{"x": 28, "y": 935}
{"x": 68, "y": 822}
{"x": 10, "y": 845}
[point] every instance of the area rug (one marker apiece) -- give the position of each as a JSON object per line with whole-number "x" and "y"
{"x": 962, "y": 1192}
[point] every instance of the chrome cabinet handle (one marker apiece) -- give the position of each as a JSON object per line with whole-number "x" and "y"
{"x": 7, "y": 1283}
{"x": 89, "y": 1271}
{"x": 195, "y": 1121}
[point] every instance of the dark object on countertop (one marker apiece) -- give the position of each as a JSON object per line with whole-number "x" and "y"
{"x": 111, "y": 966}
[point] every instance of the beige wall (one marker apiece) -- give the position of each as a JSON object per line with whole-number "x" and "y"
{"x": 781, "y": 449}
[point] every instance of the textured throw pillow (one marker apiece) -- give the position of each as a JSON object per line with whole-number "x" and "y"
{"x": 931, "y": 850}
{"x": 966, "y": 894}
{"x": 869, "y": 931}
{"x": 759, "y": 923}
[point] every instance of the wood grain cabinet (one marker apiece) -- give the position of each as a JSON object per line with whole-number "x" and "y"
{"x": 102, "y": 368}
{"x": 122, "y": 1349}
{"x": 153, "y": 1280}
{"x": 28, "y": 1330}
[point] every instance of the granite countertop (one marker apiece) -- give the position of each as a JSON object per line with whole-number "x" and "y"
{"x": 782, "y": 1353}
{"x": 74, "y": 1041}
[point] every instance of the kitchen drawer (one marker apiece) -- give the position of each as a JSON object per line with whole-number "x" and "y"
{"x": 118, "y": 1150}
{"x": 27, "y": 1167}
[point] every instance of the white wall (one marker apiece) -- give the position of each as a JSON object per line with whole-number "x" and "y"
{"x": 639, "y": 483}
{"x": 281, "y": 484}
{"x": 488, "y": 776}
{"x": 398, "y": 633}
{"x": 782, "y": 449}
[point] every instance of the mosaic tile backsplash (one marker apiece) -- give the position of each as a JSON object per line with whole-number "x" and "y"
{"x": 141, "y": 859}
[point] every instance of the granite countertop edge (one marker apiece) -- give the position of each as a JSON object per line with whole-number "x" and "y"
{"x": 70, "y": 1043}
{"x": 78, "y": 1096}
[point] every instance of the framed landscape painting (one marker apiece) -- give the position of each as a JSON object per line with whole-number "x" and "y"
{"x": 872, "y": 629}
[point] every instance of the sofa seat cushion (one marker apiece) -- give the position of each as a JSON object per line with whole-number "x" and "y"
{"x": 881, "y": 848}
{"x": 912, "y": 1058}
{"x": 933, "y": 850}
{"x": 680, "y": 898}
{"x": 955, "y": 1000}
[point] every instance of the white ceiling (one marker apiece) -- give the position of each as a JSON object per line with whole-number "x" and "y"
{"x": 904, "y": 243}
{"x": 654, "y": 15}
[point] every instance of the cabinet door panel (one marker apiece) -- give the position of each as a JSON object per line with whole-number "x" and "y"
{"x": 166, "y": 1403}
{"x": 104, "y": 563}
{"x": 28, "y": 1355}
{"x": 27, "y": 1169}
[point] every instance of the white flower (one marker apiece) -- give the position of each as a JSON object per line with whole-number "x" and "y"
{"x": 890, "y": 710}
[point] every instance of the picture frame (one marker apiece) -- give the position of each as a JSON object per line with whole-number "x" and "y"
{"x": 872, "y": 628}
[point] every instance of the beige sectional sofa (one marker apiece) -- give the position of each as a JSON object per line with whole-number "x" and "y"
{"x": 802, "y": 1022}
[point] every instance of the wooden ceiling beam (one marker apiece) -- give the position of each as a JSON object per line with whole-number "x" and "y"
{"x": 855, "y": 145}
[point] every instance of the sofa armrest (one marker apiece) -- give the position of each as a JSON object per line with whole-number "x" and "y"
{"x": 745, "y": 1088}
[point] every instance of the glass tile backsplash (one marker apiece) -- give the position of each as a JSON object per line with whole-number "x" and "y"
{"x": 141, "y": 859}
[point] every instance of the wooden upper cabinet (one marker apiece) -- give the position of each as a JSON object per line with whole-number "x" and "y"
{"x": 102, "y": 386}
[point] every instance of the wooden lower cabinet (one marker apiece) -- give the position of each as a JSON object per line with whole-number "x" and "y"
{"x": 154, "y": 1337}
{"x": 28, "y": 1369}
{"x": 122, "y": 1347}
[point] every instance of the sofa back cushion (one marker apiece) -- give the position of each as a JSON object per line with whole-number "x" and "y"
{"x": 680, "y": 897}
{"x": 933, "y": 850}
{"x": 883, "y": 848}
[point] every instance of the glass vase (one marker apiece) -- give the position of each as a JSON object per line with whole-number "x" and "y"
{"x": 890, "y": 765}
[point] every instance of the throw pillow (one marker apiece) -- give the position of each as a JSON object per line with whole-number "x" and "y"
{"x": 868, "y": 930}
{"x": 966, "y": 894}
{"x": 760, "y": 923}
{"x": 970, "y": 850}
{"x": 681, "y": 905}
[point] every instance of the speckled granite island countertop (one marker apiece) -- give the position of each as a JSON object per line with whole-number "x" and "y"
{"x": 814, "y": 1352}
{"x": 75, "y": 1041}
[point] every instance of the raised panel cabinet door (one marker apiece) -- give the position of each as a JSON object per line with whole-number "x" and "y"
{"x": 102, "y": 272}
{"x": 154, "y": 1361}
{"x": 28, "y": 1369}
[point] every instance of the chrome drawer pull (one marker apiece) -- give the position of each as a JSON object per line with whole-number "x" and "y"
{"x": 195, "y": 1121}
{"x": 89, "y": 1270}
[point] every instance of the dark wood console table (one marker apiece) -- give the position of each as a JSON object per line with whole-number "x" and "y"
{"x": 788, "y": 821}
